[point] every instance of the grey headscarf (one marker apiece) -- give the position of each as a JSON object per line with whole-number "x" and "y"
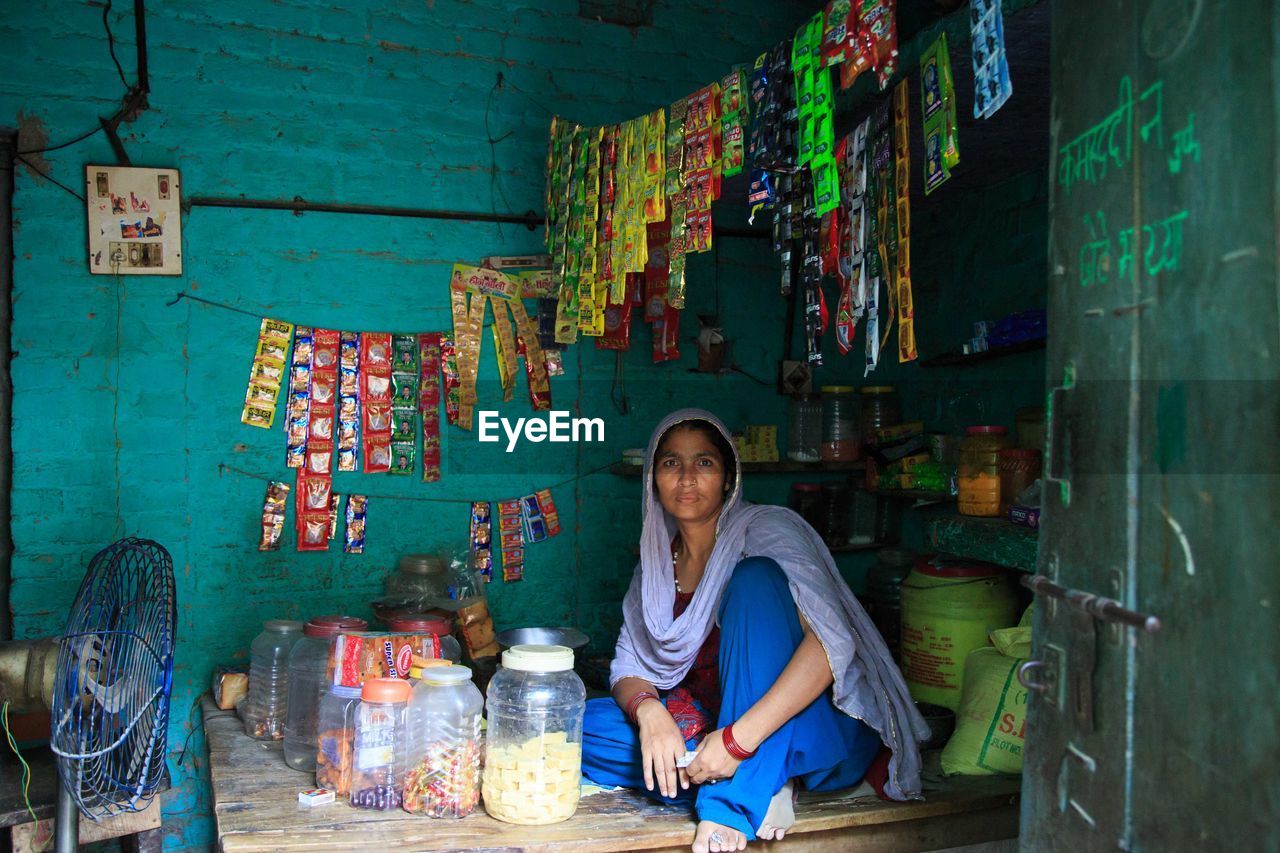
{"x": 660, "y": 649}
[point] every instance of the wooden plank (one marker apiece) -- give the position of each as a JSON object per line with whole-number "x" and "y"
{"x": 255, "y": 802}
{"x": 30, "y": 837}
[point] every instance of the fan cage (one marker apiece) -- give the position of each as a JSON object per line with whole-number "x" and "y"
{"x": 114, "y": 676}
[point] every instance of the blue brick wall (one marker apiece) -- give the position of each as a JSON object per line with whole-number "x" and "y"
{"x": 124, "y": 407}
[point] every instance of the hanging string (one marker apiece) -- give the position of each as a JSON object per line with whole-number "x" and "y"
{"x": 224, "y": 468}
{"x": 26, "y": 769}
{"x": 255, "y": 314}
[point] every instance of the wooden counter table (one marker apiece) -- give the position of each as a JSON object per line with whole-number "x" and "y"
{"x": 256, "y": 804}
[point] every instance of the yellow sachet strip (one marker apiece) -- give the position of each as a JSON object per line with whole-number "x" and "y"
{"x": 504, "y": 343}
{"x": 902, "y": 273}
{"x": 539, "y": 385}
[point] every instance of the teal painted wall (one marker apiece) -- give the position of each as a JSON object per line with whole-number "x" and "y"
{"x": 125, "y": 408}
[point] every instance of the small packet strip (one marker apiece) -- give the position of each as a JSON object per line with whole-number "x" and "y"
{"x": 273, "y": 512}
{"x": 449, "y": 369}
{"x": 902, "y": 272}
{"x": 535, "y": 362}
{"x": 314, "y": 497}
{"x": 504, "y": 347}
{"x": 404, "y": 404}
{"x": 852, "y": 159}
{"x": 482, "y": 539}
{"x": 511, "y": 532}
{"x": 298, "y": 409}
{"x": 733, "y": 119}
{"x": 335, "y": 500}
{"x": 349, "y": 402}
{"x": 991, "y": 83}
{"x": 938, "y": 112}
{"x": 429, "y": 403}
{"x": 353, "y": 533}
{"x": 617, "y": 317}
{"x": 548, "y": 509}
{"x": 375, "y": 400}
{"x": 535, "y": 526}
{"x": 266, "y": 373}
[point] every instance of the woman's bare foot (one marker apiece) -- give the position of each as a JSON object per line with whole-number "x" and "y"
{"x": 713, "y": 837}
{"x": 781, "y": 815}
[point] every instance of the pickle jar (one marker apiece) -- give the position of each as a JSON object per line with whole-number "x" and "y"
{"x": 533, "y": 757}
{"x": 978, "y": 474}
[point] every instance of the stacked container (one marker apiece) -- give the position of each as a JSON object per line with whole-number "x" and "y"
{"x": 266, "y": 707}
{"x": 308, "y": 667}
{"x": 377, "y": 772}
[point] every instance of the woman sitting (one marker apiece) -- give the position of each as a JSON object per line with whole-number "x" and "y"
{"x": 737, "y": 620}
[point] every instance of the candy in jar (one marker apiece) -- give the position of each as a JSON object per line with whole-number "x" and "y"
{"x": 442, "y": 749}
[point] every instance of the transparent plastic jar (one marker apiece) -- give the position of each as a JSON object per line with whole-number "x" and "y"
{"x": 336, "y": 738}
{"x": 266, "y": 707}
{"x": 421, "y": 623}
{"x": 377, "y": 770}
{"x": 420, "y": 576}
{"x": 879, "y": 409}
{"x": 533, "y": 758}
{"x": 308, "y": 665}
{"x": 806, "y": 500}
{"x": 805, "y": 436}
{"x": 978, "y": 474}
{"x": 443, "y": 749}
{"x": 840, "y": 439}
{"x": 835, "y": 513}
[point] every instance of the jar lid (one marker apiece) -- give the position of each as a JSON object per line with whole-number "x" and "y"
{"x": 1018, "y": 453}
{"x": 938, "y": 566}
{"x": 837, "y": 389}
{"x": 805, "y": 487}
{"x": 419, "y": 623}
{"x": 878, "y": 389}
{"x": 417, "y": 669}
{"x": 446, "y": 675}
{"x": 281, "y": 626}
{"x": 421, "y": 564}
{"x": 385, "y": 690}
{"x": 531, "y": 658}
{"x": 987, "y": 430}
{"x": 344, "y": 692}
{"x": 332, "y": 626}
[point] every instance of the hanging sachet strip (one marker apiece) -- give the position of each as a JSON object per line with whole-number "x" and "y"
{"x": 429, "y": 404}
{"x": 375, "y": 400}
{"x": 349, "y": 402}
{"x": 266, "y": 374}
{"x": 298, "y": 408}
{"x": 404, "y": 403}
{"x": 902, "y": 272}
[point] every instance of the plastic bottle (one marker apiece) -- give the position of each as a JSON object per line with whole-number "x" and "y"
{"x": 442, "y": 754}
{"x": 266, "y": 707}
{"x": 377, "y": 773}
{"x": 308, "y": 664}
{"x": 336, "y": 738}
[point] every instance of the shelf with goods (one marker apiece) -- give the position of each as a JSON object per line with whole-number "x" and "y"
{"x": 992, "y": 540}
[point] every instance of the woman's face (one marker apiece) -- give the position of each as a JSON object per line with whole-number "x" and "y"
{"x": 690, "y": 476}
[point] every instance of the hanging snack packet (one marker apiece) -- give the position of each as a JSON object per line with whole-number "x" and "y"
{"x": 298, "y": 409}
{"x": 449, "y": 369}
{"x": 334, "y": 501}
{"x": 429, "y": 403}
{"x": 733, "y": 119}
{"x": 353, "y": 535}
{"x": 535, "y": 526}
{"x": 482, "y": 539}
{"x": 839, "y": 25}
{"x": 666, "y": 332}
{"x": 548, "y": 509}
{"x": 617, "y": 319}
{"x": 512, "y": 538}
{"x": 273, "y": 512}
{"x": 266, "y": 373}
{"x": 937, "y": 105}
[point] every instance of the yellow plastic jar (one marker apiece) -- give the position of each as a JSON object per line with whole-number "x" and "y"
{"x": 978, "y": 474}
{"x": 948, "y": 609}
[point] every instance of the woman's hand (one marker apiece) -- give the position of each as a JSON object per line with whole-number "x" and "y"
{"x": 660, "y": 745}
{"x": 713, "y": 762}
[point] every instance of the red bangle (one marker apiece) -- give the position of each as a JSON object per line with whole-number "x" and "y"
{"x": 634, "y": 704}
{"x": 731, "y": 745}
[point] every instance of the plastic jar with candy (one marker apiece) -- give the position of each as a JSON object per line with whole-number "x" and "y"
{"x": 336, "y": 738}
{"x": 437, "y": 626}
{"x": 978, "y": 474}
{"x": 533, "y": 758}
{"x": 377, "y": 771}
{"x": 266, "y": 707}
{"x": 840, "y": 434}
{"x": 442, "y": 751}
{"x": 308, "y": 665}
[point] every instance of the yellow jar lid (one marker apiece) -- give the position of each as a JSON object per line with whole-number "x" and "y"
{"x": 837, "y": 389}
{"x": 878, "y": 389}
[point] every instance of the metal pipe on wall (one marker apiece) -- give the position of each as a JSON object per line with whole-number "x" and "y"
{"x": 8, "y": 147}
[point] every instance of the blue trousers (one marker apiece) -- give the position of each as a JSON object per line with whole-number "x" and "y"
{"x": 759, "y": 633}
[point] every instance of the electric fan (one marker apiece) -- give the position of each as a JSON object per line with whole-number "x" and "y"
{"x": 110, "y": 709}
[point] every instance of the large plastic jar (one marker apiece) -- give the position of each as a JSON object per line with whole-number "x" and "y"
{"x": 948, "y": 610}
{"x": 840, "y": 439}
{"x": 443, "y": 749}
{"x": 883, "y": 598}
{"x": 1019, "y": 468}
{"x": 978, "y": 474}
{"x": 422, "y": 623}
{"x": 377, "y": 771}
{"x": 805, "y": 437}
{"x": 533, "y": 758}
{"x": 336, "y": 738}
{"x": 806, "y": 500}
{"x": 308, "y": 665}
{"x": 879, "y": 409}
{"x": 266, "y": 707}
{"x": 421, "y": 576}
{"x": 835, "y": 513}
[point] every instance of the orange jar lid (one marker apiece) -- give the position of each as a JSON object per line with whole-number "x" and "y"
{"x": 385, "y": 690}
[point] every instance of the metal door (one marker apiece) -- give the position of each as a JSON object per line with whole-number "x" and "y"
{"x": 1152, "y": 723}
